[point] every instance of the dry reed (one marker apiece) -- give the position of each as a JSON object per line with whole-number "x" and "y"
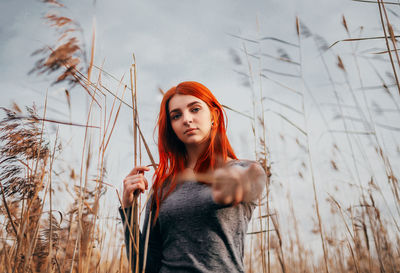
{"x": 35, "y": 237}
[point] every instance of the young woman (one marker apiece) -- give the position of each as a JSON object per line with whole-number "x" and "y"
{"x": 203, "y": 196}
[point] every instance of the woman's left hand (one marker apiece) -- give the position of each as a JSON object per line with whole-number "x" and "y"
{"x": 235, "y": 184}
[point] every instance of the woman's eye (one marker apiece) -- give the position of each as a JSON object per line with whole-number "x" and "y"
{"x": 195, "y": 110}
{"x": 175, "y": 117}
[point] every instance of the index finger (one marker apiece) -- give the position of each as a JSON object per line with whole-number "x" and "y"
{"x": 138, "y": 169}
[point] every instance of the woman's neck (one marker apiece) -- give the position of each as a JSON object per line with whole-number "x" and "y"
{"x": 194, "y": 152}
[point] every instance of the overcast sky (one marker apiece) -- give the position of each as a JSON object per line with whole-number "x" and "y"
{"x": 174, "y": 41}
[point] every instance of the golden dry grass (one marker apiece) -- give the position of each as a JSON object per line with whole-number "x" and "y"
{"x": 37, "y": 238}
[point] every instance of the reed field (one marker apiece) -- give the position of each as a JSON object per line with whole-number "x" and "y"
{"x": 332, "y": 200}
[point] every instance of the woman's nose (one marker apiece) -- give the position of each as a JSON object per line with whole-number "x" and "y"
{"x": 187, "y": 119}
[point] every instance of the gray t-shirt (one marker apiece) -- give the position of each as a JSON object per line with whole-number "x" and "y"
{"x": 194, "y": 234}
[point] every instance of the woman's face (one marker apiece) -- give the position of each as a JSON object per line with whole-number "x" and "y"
{"x": 190, "y": 118}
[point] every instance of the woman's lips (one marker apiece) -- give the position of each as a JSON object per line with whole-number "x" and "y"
{"x": 189, "y": 130}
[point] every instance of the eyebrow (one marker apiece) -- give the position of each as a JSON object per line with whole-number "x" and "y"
{"x": 190, "y": 104}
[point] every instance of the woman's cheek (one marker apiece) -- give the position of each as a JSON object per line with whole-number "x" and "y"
{"x": 175, "y": 129}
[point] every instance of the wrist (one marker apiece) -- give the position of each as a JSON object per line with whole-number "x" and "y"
{"x": 126, "y": 204}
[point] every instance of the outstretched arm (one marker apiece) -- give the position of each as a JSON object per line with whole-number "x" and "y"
{"x": 238, "y": 181}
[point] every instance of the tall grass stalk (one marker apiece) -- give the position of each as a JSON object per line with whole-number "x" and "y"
{"x": 38, "y": 237}
{"x": 321, "y": 230}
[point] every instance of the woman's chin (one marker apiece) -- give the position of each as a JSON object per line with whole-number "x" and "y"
{"x": 193, "y": 141}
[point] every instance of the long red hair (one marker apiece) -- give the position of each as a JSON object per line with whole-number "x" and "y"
{"x": 172, "y": 151}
